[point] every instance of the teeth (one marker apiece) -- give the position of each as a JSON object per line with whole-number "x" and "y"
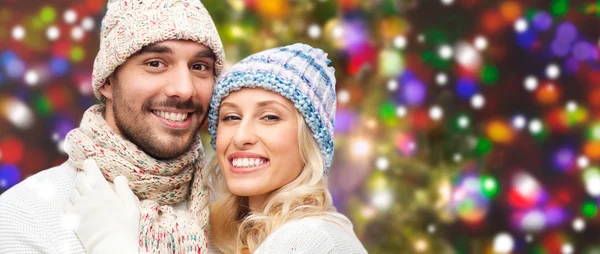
{"x": 247, "y": 162}
{"x": 176, "y": 117}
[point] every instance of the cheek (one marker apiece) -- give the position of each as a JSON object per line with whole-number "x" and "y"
{"x": 286, "y": 144}
{"x": 224, "y": 136}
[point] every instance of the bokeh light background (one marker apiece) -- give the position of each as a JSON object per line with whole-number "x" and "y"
{"x": 463, "y": 126}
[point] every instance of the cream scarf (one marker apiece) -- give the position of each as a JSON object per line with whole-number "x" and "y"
{"x": 160, "y": 185}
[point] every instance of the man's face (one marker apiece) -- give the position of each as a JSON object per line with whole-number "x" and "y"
{"x": 159, "y": 97}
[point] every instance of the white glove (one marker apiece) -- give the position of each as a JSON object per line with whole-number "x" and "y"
{"x": 108, "y": 219}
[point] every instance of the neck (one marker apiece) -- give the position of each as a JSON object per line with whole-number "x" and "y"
{"x": 256, "y": 203}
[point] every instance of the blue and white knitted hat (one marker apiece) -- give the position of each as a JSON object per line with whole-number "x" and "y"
{"x": 298, "y": 72}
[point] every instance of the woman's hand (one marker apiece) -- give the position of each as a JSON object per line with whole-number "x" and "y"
{"x": 105, "y": 220}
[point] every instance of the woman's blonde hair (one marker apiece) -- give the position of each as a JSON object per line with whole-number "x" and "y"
{"x": 236, "y": 229}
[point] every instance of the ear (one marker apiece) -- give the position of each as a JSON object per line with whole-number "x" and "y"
{"x": 107, "y": 89}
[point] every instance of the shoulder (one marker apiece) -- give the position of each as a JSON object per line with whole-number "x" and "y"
{"x": 31, "y": 212}
{"x": 45, "y": 186}
{"x": 299, "y": 236}
{"x": 310, "y": 235}
{"x": 41, "y": 194}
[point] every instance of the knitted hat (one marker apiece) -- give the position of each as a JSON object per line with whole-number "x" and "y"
{"x": 297, "y": 72}
{"x": 130, "y": 25}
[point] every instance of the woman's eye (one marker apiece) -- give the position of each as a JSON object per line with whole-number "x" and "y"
{"x": 271, "y": 118}
{"x": 230, "y": 118}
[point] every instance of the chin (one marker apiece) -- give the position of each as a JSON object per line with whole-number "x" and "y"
{"x": 241, "y": 190}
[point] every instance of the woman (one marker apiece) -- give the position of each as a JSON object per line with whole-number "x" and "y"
{"x": 271, "y": 125}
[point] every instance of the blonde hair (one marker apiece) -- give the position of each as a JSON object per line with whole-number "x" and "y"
{"x": 236, "y": 229}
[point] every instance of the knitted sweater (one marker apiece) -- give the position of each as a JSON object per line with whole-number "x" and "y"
{"x": 313, "y": 235}
{"x": 31, "y": 214}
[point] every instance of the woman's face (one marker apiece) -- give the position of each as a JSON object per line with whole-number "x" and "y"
{"x": 257, "y": 142}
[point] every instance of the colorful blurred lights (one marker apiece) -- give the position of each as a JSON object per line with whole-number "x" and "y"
{"x": 521, "y": 25}
{"x": 489, "y": 186}
{"x": 53, "y": 33}
{"x": 467, "y": 56}
{"x": 535, "y": 126}
{"x": 382, "y": 200}
{"x": 553, "y": 71}
{"x": 77, "y": 33}
{"x": 584, "y": 51}
{"x": 382, "y": 163}
{"x": 70, "y": 16}
{"x": 406, "y": 144}
{"x": 436, "y": 113}
{"x": 481, "y": 43}
{"x": 447, "y": 2}
{"x": 533, "y": 221}
{"x": 519, "y": 122}
{"x": 441, "y": 79}
{"x": 401, "y": 111}
{"x": 32, "y": 78}
{"x": 343, "y": 96}
{"x": 314, "y": 31}
{"x": 589, "y": 209}
{"x": 445, "y": 52}
{"x": 466, "y": 88}
{"x": 400, "y": 42}
{"x": 542, "y": 21}
{"x": 571, "y": 106}
{"x": 591, "y": 178}
{"x": 503, "y": 243}
{"x": 567, "y": 248}
{"x": 88, "y": 24}
{"x": 421, "y": 245}
{"x": 583, "y": 162}
{"x": 18, "y": 114}
{"x": 530, "y": 83}
{"x": 578, "y": 224}
{"x": 564, "y": 158}
{"x": 361, "y": 147}
{"x": 414, "y": 92}
{"x": 18, "y": 33}
{"x": 9, "y": 176}
{"x": 463, "y": 122}
{"x": 392, "y": 85}
{"x": 477, "y": 101}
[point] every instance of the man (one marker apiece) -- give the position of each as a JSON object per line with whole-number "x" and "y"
{"x": 154, "y": 74}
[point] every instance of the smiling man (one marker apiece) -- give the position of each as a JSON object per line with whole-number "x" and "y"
{"x": 154, "y": 74}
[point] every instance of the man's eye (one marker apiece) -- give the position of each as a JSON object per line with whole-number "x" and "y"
{"x": 155, "y": 64}
{"x": 200, "y": 67}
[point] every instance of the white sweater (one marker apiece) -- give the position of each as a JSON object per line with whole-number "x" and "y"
{"x": 32, "y": 212}
{"x": 31, "y": 221}
{"x": 313, "y": 235}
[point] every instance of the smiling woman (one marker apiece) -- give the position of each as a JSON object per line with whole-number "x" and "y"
{"x": 271, "y": 123}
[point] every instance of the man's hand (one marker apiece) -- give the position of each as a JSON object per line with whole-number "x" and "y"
{"x": 108, "y": 219}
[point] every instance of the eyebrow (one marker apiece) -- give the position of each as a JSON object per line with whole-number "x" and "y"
{"x": 153, "y": 48}
{"x": 261, "y": 104}
{"x": 271, "y": 102}
{"x": 206, "y": 53}
{"x": 228, "y": 104}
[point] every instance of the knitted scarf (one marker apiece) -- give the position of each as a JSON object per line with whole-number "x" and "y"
{"x": 159, "y": 184}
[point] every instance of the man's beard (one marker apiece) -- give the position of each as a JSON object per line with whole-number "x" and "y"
{"x": 134, "y": 127}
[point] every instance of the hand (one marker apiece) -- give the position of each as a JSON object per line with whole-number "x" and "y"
{"x": 108, "y": 219}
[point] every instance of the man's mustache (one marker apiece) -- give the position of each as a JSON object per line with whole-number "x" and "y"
{"x": 177, "y": 104}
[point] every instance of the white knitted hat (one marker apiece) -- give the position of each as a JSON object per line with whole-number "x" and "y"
{"x": 130, "y": 25}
